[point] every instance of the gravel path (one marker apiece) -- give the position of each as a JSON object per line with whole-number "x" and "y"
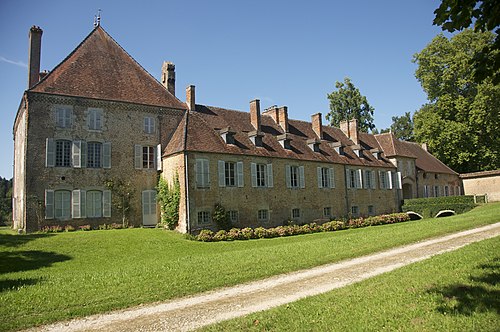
{"x": 193, "y": 312}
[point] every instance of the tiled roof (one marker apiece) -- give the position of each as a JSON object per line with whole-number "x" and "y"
{"x": 203, "y": 127}
{"x": 425, "y": 161}
{"x": 480, "y": 174}
{"x": 99, "y": 68}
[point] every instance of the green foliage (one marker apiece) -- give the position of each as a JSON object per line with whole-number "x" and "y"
{"x": 122, "y": 194}
{"x": 429, "y": 207}
{"x": 460, "y": 123}
{"x": 347, "y": 103}
{"x": 169, "y": 198}
{"x": 5, "y": 200}
{"x": 455, "y": 15}
{"x": 289, "y": 230}
{"x": 402, "y": 127}
{"x": 221, "y": 218}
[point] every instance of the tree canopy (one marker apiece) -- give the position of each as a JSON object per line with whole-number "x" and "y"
{"x": 453, "y": 15}
{"x": 401, "y": 127}
{"x": 460, "y": 123}
{"x": 348, "y": 103}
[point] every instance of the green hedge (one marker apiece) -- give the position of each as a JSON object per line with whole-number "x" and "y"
{"x": 429, "y": 207}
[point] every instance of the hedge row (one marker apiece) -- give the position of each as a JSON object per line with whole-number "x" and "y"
{"x": 71, "y": 228}
{"x": 430, "y": 207}
{"x": 280, "y": 231}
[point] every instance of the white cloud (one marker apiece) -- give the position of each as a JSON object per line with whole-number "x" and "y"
{"x": 16, "y": 63}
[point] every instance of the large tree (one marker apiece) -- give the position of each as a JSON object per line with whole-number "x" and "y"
{"x": 348, "y": 103}
{"x": 461, "y": 121}
{"x": 454, "y": 15}
{"x": 402, "y": 127}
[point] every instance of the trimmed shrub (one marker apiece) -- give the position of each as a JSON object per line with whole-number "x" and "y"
{"x": 69, "y": 228}
{"x": 205, "y": 235}
{"x": 260, "y": 232}
{"x": 220, "y": 235}
{"x": 429, "y": 207}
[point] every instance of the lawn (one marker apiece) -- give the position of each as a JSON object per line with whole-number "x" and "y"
{"x": 50, "y": 277}
{"x": 456, "y": 291}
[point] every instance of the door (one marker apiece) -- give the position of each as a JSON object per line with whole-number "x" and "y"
{"x": 149, "y": 208}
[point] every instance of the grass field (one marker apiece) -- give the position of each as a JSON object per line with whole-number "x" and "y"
{"x": 50, "y": 277}
{"x": 457, "y": 291}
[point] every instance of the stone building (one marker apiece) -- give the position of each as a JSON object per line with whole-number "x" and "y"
{"x": 93, "y": 136}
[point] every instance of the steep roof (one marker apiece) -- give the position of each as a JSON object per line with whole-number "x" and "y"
{"x": 203, "y": 126}
{"x": 99, "y": 68}
{"x": 425, "y": 161}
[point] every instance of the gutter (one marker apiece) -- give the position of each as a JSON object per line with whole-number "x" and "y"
{"x": 186, "y": 176}
{"x": 345, "y": 188}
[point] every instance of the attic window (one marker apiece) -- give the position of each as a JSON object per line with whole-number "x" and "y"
{"x": 284, "y": 140}
{"x": 338, "y": 147}
{"x": 376, "y": 153}
{"x": 256, "y": 137}
{"x": 313, "y": 144}
{"x": 357, "y": 150}
{"x": 227, "y": 135}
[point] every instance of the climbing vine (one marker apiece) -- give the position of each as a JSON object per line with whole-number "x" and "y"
{"x": 121, "y": 197}
{"x": 169, "y": 197}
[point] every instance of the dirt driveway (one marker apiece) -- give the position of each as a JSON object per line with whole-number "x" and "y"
{"x": 189, "y": 313}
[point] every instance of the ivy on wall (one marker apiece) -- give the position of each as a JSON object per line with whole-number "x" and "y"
{"x": 169, "y": 197}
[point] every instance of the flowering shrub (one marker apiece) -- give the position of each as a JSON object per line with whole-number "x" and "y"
{"x": 288, "y": 230}
{"x": 69, "y": 228}
{"x": 51, "y": 229}
{"x": 85, "y": 228}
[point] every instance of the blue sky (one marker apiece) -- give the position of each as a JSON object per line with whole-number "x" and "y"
{"x": 282, "y": 52}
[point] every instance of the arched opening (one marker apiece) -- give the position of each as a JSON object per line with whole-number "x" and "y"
{"x": 414, "y": 215}
{"x": 445, "y": 213}
{"x": 407, "y": 191}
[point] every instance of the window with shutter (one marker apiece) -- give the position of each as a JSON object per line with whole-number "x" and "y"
{"x": 202, "y": 173}
{"x": 269, "y": 170}
{"x": 106, "y": 155}
{"x": 50, "y": 153}
{"x": 239, "y": 172}
{"x": 49, "y": 204}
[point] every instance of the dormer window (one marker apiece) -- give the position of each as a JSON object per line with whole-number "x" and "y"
{"x": 357, "y": 150}
{"x": 284, "y": 140}
{"x": 339, "y": 148}
{"x": 227, "y": 135}
{"x": 376, "y": 153}
{"x": 256, "y": 137}
{"x": 313, "y": 144}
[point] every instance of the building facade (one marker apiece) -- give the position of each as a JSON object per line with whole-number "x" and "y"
{"x": 93, "y": 136}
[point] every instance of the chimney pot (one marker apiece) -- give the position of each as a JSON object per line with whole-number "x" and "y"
{"x": 190, "y": 98}
{"x": 168, "y": 76}
{"x": 35, "y": 50}
{"x": 255, "y": 114}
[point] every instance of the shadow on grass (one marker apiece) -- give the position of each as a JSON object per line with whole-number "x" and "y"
{"x": 14, "y": 240}
{"x": 16, "y": 284}
{"x": 479, "y": 295}
{"x": 15, "y": 261}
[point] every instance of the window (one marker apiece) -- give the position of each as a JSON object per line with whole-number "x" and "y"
{"x": 94, "y": 204}
{"x": 202, "y": 173}
{"x": 149, "y": 125}
{"x": 262, "y": 215}
{"x": 230, "y": 174}
{"x": 369, "y": 179}
{"x": 94, "y": 119}
{"x": 327, "y": 212}
{"x": 262, "y": 175}
{"x": 325, "y": 177}
{"x": 63, "y": 153}
{"x": 94, "y": 153}
{"x": 354, "y": 178}
{"x": 295, "y": 176}
{"x": 385, "y": 179}
{"x": 396, "y": 180}
{"x": 354, "y": 211}
{"x": 436, "y": 191}
{"x": 204, "y": 217}
{"x": 427, "y": 191}
{"x": 446, "y": 191}
{"x": 63, "y": 116}
{"x": 233, "y": 216}
{"x": 57, "y": 204}
{"x": 371, "y": 210}
{"x": 147, "y": 157}
{"x": 295, "y": 213}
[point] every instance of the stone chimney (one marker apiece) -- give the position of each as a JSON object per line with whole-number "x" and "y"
{"x": 344, "y": 126}
{"x": 283, "y": 118}
{"x": 317, "y": 125}
{"x": 255, "y": 114}
{"x": 190, "y": 101}
{"x": 272, "y": 112}
{"x": 168, "y": 76}
{"x": 35, "y": 50}
{"x": 350, "y": 129}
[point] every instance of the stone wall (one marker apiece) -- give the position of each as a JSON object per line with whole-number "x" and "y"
{"x": 481, "y": 183}
{"x": 439, "y": 180}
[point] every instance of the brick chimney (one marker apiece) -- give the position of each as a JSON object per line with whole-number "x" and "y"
{"x": 344, "y": 126}
{"x": 272, "y": 112}
{"x": 255, "y": 114}
{"x": 35, "y": 50}
{"x": 317, "y": 125}
{"x": 190, "y": 98}
{"x": 168, "y": 76}
{"x": 283, "y": 118}
{"x": 353, "y": 130}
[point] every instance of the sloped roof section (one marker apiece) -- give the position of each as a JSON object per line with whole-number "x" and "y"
{"x": 99, "y": 68}
{"x": 204, "y": 124}
{"x": 393, "y": 146}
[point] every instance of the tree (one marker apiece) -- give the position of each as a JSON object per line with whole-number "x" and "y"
{"x": 460, "y": 123}
{"x": 347, "y": 103}
{"x": 402, "y": 127}
{"x": 454, "y": 15}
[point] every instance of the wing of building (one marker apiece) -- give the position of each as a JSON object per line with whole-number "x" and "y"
{"x": 93, "y": 136}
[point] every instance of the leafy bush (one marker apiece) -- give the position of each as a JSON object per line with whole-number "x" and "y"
{"x": 260, "y": 232}
{"x": 169, "y": 198}
{"x": 429, "y": 207}
{"x": 85, "y": 228}
{"x": 221, "y": 218}
{"x": 69, "y": 228}
{"x": 205, "y": 235}
{"x": 220, "y": 235}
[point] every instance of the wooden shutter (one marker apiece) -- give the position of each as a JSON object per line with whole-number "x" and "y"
{"x": 106, "y": 153}
{"x": 75, "y": 204}
{"x": 348, "y": 177}
{"x": 49, "y": 204}
{"x": 159, "y": 165}
{"x": 270, "y": 182}
{"x": 320, "y": 178}
{"x": 50, "y": 152}
{"x": 198, "y": 172}
{"x": 138, "y": 156}
{"x": 359, "y": 178}
{"x": 398, "y": 180}
{"x": 222, "y": 173}
{"x": 106, "y": 203}
{"x": 331, "y": 178}
{"x": 302, "y": 180}
{"x": 288, "y": 179}
{"x": 389, "y": 176}
{"x": 253, "y": 171}
{"x": 239, "y": 170}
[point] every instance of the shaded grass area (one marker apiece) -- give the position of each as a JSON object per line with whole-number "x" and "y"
{"x": 50, "y": 277}
{"x": 456, "y": 291}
